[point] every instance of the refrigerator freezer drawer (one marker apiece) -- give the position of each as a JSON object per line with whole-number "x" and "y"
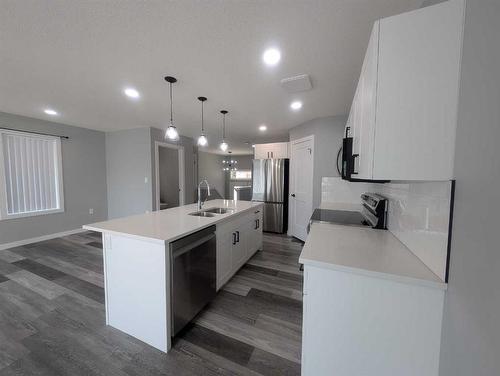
{"x": 274, "y": 218}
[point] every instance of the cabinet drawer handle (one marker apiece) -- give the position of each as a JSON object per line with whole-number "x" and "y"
{"x": 237, "y": 236}
{"x": 234, "y": 238}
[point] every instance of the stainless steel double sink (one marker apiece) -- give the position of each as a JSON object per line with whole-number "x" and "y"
{"x": 212, "y": 212}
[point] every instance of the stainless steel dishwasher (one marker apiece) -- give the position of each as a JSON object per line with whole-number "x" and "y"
{"x": 193, "y": 275}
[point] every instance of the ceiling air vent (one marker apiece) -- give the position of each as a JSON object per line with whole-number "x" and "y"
{"x": 297, "y": 83}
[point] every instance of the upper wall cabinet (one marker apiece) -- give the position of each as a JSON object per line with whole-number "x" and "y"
{"x": 276, "y": 150}
{"x": 404, "y": 114}
{"x": 362, "y": 117}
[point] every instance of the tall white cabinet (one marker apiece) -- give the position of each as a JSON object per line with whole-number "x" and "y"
{"x": 403, "y": 116}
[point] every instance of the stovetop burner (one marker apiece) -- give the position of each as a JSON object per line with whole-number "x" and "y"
{"x": 343, "y": 217}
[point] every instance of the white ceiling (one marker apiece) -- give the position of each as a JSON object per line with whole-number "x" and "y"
{"x": 77, "y": 56}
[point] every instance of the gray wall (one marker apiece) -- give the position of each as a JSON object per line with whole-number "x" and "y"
{"x": 130, "y": 157}
{"x": 244, "y": 161}
{"x": 210, "y": 168}
{"x": 471, "y": 327}
{"x": 128, "y": 164}
{"x": 189, "y": 163}
{"x": 169, "y": 176}
{"x": 328, "y": 133}
{"x": 84, "y": 174}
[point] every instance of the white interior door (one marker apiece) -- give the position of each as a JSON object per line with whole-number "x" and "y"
{"x": 301, "y": 186}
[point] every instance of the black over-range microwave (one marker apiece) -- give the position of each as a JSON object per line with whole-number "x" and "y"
{"x": 348, "y": 170}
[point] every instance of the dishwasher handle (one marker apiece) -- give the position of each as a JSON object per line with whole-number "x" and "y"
{"x": 178, "y": 252}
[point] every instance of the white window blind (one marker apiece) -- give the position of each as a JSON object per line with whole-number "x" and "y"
{"x": 32, "y": 174}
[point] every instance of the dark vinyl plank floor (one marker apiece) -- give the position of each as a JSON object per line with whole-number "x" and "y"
{"x": 52, "y": 317}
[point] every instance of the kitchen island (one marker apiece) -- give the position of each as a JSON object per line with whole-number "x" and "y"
{"x": 138, "y": 266}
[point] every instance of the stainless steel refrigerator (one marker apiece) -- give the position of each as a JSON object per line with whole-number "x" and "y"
{"x": 270, "y": 186}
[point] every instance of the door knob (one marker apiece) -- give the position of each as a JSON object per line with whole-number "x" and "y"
{"x": 293, "y": 194}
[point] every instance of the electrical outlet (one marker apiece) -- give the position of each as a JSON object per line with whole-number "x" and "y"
{"x": 91, "y": 211}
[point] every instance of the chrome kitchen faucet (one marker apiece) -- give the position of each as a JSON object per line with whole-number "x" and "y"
{"x": 200, "y": 203}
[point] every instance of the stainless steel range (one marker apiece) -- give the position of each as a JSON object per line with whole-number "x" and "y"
{"x": 373, "y": 213}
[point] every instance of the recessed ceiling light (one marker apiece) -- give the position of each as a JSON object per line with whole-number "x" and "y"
{"x": 263, "y": 128}
{"x": 296, "y": 105}
{"x": 51, "y": 112}
{"x": 131, "y": 93}
{"x": 271, "y": 56}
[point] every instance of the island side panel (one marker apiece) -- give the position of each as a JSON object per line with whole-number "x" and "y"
{"x": 136, "y": 274}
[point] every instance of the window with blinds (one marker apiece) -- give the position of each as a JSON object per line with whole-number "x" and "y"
{"x": 31, "y": 174}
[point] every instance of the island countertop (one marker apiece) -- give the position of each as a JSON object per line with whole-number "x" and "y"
{"x": 170, "y": 224}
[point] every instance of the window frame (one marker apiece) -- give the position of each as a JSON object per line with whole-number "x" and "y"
{"x": 243, "y": 169}
{"x": 4, "y": 215}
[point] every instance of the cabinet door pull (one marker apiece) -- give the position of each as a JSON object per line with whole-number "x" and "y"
{"x": 354, "y": 156}
{"x": 237, "y": 236}
{"x": 257, "y": 212}
{"x": 234, "y": 238}
{"x": 256, "y": 224}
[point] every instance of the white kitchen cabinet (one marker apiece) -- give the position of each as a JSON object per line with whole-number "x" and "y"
{"x": 224, "y": 260}
{"x": 254, "y": 240}
{"x": 403, "y": 116}
{"x": 364, "y": 116}
{"x": 239, "y": 246}
{"x": 237, "y": 241}
{"x": 275, "y": 150}
{"x": 364, "y": 325}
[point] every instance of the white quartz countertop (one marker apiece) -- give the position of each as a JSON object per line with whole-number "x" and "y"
{"x": 367, "y": 251}
{"x": 170, "y": 224}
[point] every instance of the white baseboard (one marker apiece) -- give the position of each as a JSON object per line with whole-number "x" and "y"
{"x": 40, "y": 238}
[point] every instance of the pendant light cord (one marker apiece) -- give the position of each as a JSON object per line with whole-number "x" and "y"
{"x": 171, "y": 106}
{"x": 202, "y": 117}
{"x": 223, "y": 126}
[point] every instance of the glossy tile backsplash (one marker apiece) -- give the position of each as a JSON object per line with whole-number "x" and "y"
{"x": 418, "y": 214}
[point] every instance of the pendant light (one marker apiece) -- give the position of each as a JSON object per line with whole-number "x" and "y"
{"x": 223, "y": 145}
{"x": 202, "y": 140}
{"x": 171, "y": 133}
